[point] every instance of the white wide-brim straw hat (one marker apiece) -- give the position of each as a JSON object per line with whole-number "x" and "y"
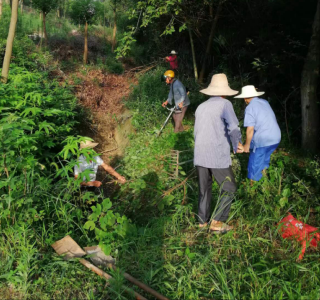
{"x": 88, "y": 144}
{"x": 219, "y": 86}
{"x": 173, "y": 52}
{"x": 249, "y": 91}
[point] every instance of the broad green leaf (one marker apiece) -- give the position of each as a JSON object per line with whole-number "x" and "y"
{"x": 106, "y": 204}
{"x": 89, "y": 225}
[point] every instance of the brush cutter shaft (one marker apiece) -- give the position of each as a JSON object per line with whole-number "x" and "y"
{"x": 108, "y": 277}
{"x": 172, "y": 110}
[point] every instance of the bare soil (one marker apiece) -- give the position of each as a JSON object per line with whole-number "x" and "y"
{"x": 103, "y": 96}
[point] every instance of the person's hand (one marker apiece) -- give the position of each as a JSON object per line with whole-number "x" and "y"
{"x": 166, "y": 58}
{"x": 246, "y": 148}
{"x": 240, "y": 148}
{"x": 96, "y": 183}
{"x": 180, "y": 104}
{"x": 165, "y": 103}
{"x": 122, "y": 180}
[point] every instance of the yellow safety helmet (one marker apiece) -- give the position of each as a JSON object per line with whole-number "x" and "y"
{"x": 169, "y": 73}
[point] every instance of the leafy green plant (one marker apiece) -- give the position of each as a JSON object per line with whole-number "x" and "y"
{"x": 107, "y": 225}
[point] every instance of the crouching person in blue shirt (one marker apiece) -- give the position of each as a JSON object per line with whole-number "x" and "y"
{"x": 263, "y": 132}
{"x": 93, "y": 165}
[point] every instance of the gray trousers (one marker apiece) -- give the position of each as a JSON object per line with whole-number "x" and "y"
{"x": 178, "y": 117}
{"x": 227, "y": 186}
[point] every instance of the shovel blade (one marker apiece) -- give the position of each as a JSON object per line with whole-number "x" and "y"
{"x": 68, "y": 248}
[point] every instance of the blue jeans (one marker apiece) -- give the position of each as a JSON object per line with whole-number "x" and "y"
{"x": 259, "y": 160}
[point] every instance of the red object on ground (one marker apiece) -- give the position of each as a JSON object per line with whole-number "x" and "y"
{"x": 173, "y": 62}
{"x": 291, "y": 228}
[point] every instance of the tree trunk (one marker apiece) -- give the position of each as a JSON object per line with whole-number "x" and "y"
{"x": 85, "y": 53}
{"x": 114, "y": 27}
{"x": 0, "y": 8}
{"x": 44, "y": 29}
{"x": 12, "y": 30}
{"x": 193, "y": 56}
{"x": 309, "y": 82}
{"x": 208, "y": 50}
{"x": 65, "y": 7}
{"x": 104, "y": 19}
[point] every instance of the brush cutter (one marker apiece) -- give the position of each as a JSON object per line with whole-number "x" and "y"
{"x": 70, "y": 249}
{"x": 172, "y": 110}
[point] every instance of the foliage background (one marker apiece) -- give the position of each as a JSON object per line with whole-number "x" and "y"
{"x": 149, "y": 224}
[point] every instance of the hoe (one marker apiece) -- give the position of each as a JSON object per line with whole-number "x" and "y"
{"x": 70, "y": 249}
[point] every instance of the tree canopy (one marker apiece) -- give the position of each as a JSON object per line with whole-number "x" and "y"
{"x": 84, "y": 11}
{"x": 45, "y": 6}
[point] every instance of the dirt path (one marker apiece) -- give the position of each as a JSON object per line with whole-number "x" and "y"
{"x": 103, "y": 96}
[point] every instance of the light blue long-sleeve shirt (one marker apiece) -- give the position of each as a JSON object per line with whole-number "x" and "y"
{"x": 178, "y": 93}
{"x": 260, "y": 115}
{"x": 83, "y": 165}
{"x": 215, "y": 126}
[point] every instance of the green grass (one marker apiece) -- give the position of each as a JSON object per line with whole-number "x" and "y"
{"x": 168, "y": 252}
{"x": 161, "y": 245}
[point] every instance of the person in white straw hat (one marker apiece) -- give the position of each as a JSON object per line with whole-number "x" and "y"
{"x": 173, "y": 60}
{"x": 92, "y": 165}
{"x": 263, "y": 132}
{"x": 215, "y": 126}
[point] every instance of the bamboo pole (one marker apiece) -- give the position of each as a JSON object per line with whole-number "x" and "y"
{"x": 85, "y": 53}
{"x": 10, "y": 39}
{"x": 193, "y": 56}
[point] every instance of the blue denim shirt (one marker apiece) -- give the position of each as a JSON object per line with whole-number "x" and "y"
{"x": 260, "y": 115}
{"x": 178, "y": 93}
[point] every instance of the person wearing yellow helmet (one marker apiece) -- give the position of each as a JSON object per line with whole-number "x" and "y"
{"x": 181, "y": 100}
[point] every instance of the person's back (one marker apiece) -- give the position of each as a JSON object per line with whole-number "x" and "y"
{"x": 266, "y": 129}
{"x": 216, "y": 124}
{"x": 212, "y": 147}
{"x": 173, "y": 62}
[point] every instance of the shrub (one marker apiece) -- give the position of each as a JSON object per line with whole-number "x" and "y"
{"x": 113, "y": 66}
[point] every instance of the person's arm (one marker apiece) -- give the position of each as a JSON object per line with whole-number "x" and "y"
{"x": 89, "y": 183}
{"x": 249, "y": 122}
{"x": 250, "y": 132}
{"x": 233, "y": 127}
{"x": 112, "y": 172}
